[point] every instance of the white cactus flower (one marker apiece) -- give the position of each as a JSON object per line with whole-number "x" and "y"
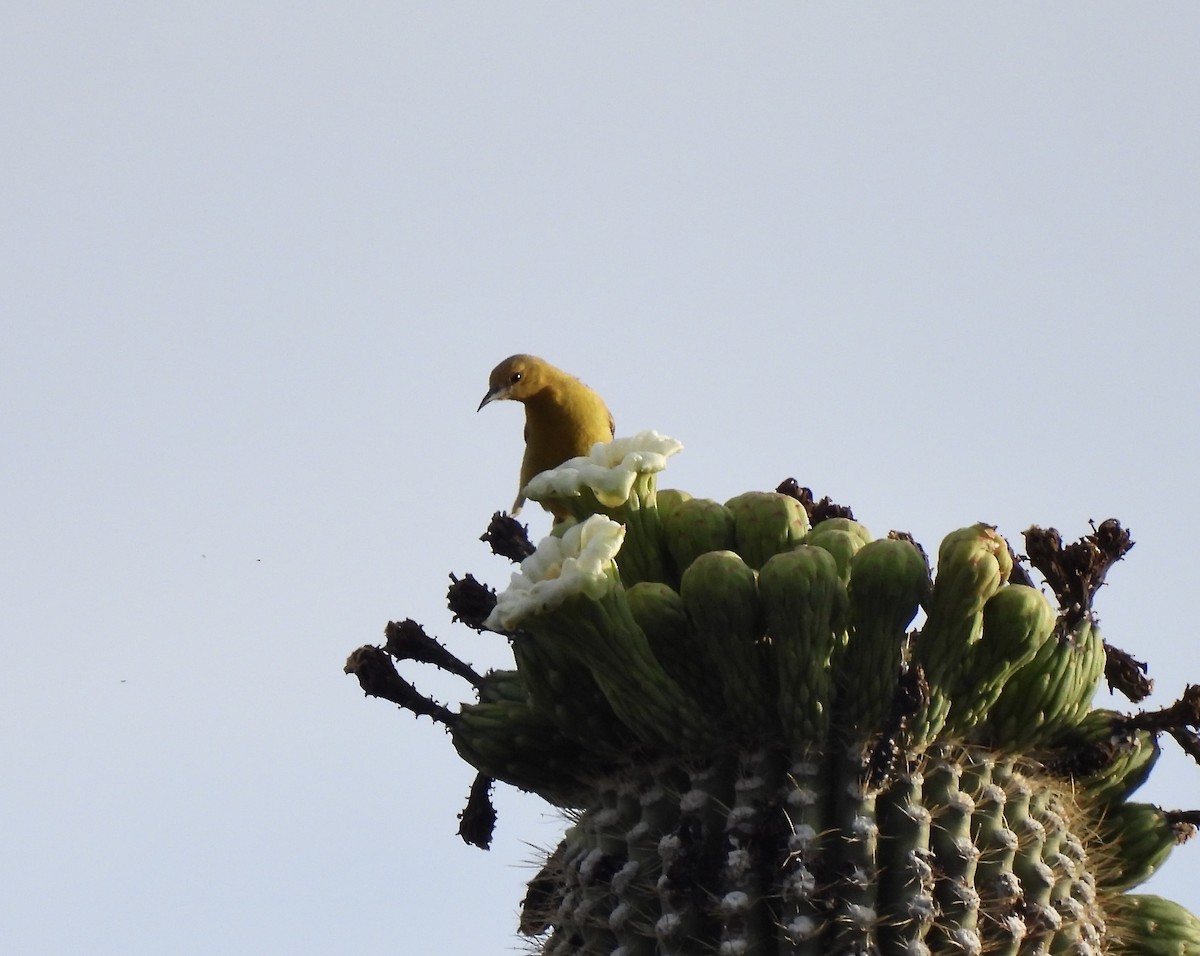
{"x": 576, "y": 563}
{"x": 608, "y": 471}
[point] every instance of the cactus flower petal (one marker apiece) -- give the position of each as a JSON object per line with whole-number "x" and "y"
{"x": 576, "y": 563}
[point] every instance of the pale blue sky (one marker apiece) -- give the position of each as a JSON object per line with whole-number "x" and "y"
{"x": 939, "y": 261}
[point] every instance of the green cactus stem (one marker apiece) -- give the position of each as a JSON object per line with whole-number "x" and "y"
{"x": 757, "y": 756}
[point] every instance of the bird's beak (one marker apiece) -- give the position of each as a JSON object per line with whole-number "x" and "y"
{"x": 491, "y": 396}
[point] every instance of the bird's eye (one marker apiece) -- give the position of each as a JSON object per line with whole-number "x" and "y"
{"x": 516, "y": 377}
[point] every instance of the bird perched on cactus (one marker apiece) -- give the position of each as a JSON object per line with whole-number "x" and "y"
{"x": 563, "y": 417}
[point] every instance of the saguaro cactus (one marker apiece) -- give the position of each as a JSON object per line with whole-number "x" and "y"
{"x": 756, "y": 755}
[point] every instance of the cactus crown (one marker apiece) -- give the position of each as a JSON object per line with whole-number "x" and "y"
{"x": 757, "y": 754}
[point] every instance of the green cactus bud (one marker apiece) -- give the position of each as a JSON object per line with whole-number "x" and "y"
{"x": 766, "y": 523}
{"x": 1088, "y": 668}
{"x": 660, "y": 613}
{"x": 841, "y": 537}
{"x": 888, "y": 579}
{"x": 803, "y": 604}
{"x": 1017, "y": 621}
{"x": 1137, "y": 839}
{"x": 669, "y": 499}
{"x": 1107, "y": 758}
{"x": 847, "y": 525}
{"x": 1050, "y": 693}
{"x": 605, "y": 636}
{"x": 503, "y": 685}
{"x": 695, "y": 527}
{"x": 973, "y": 564}
{"x": 562, "y": 689}
{"x": 1147, "y": 925}
{"x": 720, "y": 595}
{"x": 506, "y": 740}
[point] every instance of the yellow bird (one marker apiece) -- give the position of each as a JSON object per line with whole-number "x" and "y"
{"x": 563, "y": 417}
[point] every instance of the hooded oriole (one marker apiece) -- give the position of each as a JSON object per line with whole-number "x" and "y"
{"x": 563, "y": 417}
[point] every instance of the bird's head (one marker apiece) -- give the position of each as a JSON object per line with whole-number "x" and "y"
{"x": 516, "y": 378}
